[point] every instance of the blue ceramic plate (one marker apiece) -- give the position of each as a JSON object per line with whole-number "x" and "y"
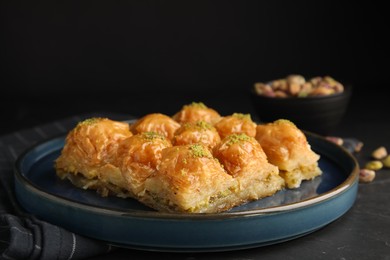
{"x": 125, "y": 222}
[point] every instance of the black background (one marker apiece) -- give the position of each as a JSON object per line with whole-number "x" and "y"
{"x": 135, "y": 57}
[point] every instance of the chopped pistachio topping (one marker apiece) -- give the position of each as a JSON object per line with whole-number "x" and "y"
{"x": 242, "y": 116}
{"x": 198, "y": 150}
{"x": 203, "y": 125}
{"x": 150, "y": 136}
{"x": 237, "y": 138}
{"x": 183, "y": 172}
{"x": 200, "y": 125}
{"x": 90, "y": 121}
{"x": 196, "y": 104}
{"x": 284, "y": 121}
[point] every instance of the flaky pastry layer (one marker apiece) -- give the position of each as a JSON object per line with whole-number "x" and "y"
{"x": 187, "y": 165}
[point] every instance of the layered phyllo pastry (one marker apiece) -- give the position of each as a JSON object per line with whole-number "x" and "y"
{"x": 193, "y": 162}
{"x": 189, "y": 179}
{"x": 286, "y": 146}
{"x": 237, "y": 123}
{"x": 138, "y": 157}
{"x": 244, "y": 159}
{"x": 196, "y": 111}
{"x": 88, "y": 154}
{"x": 197, "y": 132}
{"x": 156, "y": 122}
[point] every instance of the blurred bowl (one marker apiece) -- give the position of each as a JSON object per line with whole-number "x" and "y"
{"x": 316, "y": 114}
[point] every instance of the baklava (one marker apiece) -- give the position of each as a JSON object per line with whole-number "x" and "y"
{"x": 286, "y": 146}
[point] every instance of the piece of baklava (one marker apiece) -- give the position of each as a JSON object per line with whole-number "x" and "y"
{"x": 138, "y": 157}
{"x": 197, "y": 132}
{"x": 155, "y": 122}
{"x": 244, "y": 159}
{"x": 87, "y": 156}
{"x": 197, "y": 112}
{"x": 236, "y": 123}
{"x": 286, "y": 146}
{"x": 189, "y": 179}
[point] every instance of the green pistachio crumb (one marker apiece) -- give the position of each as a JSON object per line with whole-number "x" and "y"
{"x": 150, "y": 136}
{"x": 199, "y": 125}
{"x": 242, "y": 116}
{"x": 197, "y": 104}
{"x": 198, "y": 150}
{"x": 89, "y": 121}
{"x": 237, "y": 138}
{"x": 203, "y": 125}
{"x": 283, "y": 121}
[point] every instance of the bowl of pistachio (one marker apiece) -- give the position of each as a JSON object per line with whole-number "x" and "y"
{"x": 316, "y": 104}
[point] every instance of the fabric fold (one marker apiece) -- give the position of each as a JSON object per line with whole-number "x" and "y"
{"x": 30, "y": 238}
